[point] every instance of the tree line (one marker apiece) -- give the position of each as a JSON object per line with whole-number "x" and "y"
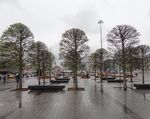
{"x": 125, "y": 51}
{"x": 18, "y": 48}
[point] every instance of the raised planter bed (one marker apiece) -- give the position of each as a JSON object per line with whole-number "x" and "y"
{"x": 62, "y": 78}
{"x": 142, "y": 86}
{"x": 114, "y": 80}
{"x": 46, "y": 87}
{"x": 108, "y": 78}
{"x": 60, "y": 81}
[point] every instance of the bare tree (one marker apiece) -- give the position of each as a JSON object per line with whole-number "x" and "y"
{"x": 50, "y": 62}
{"x": 121, "y": 37}
{"x": 36, "y": 56}
{"x": 93, "y": 59}
{"x": 144, "y": 51}
{"x": 132, "y": 59}
{"x": 47, "y": 62}
{"x": 102, "y": 55}
{"x": 19, "y": 39}
{"x": 73, "y": 48}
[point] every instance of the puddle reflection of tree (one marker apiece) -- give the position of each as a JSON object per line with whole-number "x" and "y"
{"x": 19, "y": 98}
{"x": 101, "y": 87}
{"x": 95, "y": 87}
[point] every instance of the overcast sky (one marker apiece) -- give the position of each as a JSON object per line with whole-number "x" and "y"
{"x": 48, "y": 19}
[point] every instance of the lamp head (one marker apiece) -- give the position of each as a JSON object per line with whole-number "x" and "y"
{"x": 100, "y": 22}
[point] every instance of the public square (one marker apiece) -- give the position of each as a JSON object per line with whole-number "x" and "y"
{"x": 74, "y": 59}
{"x": 96, "y": 102}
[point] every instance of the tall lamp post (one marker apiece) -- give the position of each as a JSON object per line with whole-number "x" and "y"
{"x": 101, "y": 53}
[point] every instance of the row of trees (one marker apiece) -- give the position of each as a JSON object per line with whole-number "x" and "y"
{"x": 125, "y": 52}
{"x": 18, "y": 48}
{"x": 124, "y": 39}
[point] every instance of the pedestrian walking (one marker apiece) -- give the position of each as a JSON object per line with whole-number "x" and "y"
{"x": 136, "y": 74}
{"x": 87, "y": 75}
{"x": 17, "y": 80}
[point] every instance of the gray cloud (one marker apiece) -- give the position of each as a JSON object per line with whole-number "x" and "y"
{"x": 47, "y": 19}
{"x": 149, "y": 14}
{"x": 15, "y": 3}
{"x": 86, "y": 18}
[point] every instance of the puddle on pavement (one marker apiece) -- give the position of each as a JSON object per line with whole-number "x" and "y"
{"x": 147, "y": 96}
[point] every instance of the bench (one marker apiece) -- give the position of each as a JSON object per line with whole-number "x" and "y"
{"x": 46, "y": 87}
{"x": 59, "y": 81}
{"x": 142, "y": 86}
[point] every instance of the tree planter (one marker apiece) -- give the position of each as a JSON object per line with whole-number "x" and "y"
{"x": 76, "y": 89}
{"x": 142, "y": 86}
{"x": 111, "y": 78}
{"x": 59, "y": 81}
{"x": 46, "y": 87}
{"x": 115, "y": 81}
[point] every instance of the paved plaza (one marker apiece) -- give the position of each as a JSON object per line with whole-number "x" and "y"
{"x": 96, "y": 102}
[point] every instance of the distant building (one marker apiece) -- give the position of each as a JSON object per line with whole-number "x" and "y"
{"x": 56, "y": 70}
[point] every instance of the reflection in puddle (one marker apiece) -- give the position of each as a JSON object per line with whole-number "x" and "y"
{"x": 1, "y": 105}
{"x": 19, "y": 98}
{"x": 147, "y": 96}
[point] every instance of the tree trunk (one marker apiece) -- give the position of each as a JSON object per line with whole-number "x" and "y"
{"x": 143, "y": 80}
{"x": 76, "y": 65}
{"x": 131, "y": 67}
{"x": 20, "y": 75}
{"x": 20, "y": 65}
{"x": 50, "y": 75}
{"x": 39, "y": 82}
{"x": 124, "y": 67}
{"x": 76, "y": 80}
{"x": 95, "y": 73}
{"x": 43, "y": 68}
{"x": 131, "y": 74}
{"x": 114, "y": 68}
{"x": 95, "y": 67}
{"x": 75, "y": 74}
{"x": 119, "y": 71}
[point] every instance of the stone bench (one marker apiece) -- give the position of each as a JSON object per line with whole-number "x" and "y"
{"x": 142, "y": 86}
{"x": 46, "y": 87}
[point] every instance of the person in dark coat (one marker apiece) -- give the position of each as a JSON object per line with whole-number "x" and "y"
{"x": 17, "y": 80}
{"x": 87, "y": 75}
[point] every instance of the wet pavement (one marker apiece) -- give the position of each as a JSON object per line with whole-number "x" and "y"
{"x": 107, "y": 101}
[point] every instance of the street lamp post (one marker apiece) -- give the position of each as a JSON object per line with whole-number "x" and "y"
{"x": 101, "y": 53}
